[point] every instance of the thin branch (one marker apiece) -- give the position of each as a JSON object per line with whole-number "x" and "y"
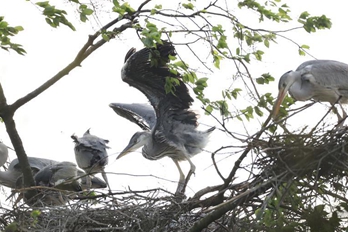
{"x": 85, "y": 51}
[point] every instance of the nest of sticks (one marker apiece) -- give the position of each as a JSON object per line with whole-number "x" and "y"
{"x": 317, "y": 155}
{"x": 148, "y": 210}
{"x": 321, "y": 155}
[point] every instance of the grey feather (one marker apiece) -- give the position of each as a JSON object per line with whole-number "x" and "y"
{"x": 319, "y": 80}
{"x": 90, "y": 152}
{"x": 141, "y": 114}
{"x": 174, "y": 133}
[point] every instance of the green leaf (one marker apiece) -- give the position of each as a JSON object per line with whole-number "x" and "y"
{"x": 19, "y": 28}
{"x": 116, "y": 3}
{"x": 301, "y": 52}
{"x": 189, "y": 6}
{"x": 209, "y": 109}
{"x": 202, "y": 81}
{"x": 43, "y": 4}
{"x": 222, "y": 42}
{"x": 260, "y": 81}
{"x": 87, "y": 11}
{"x": 83, "y": 18}
{"x": 181, "y": 64}
{"x": 235, "y": 92}
{"x": 3, "y": 25}
{"x": 238, "y": 51}
{"x": 266, "y": 43}
{"x": 258, "y": 54}
{"x": 35, "y": 213}
{"x": 172, "y": 57}
{"x": 105, "y": 37}
{"x": 304, "y": 15}
{"x": 258, "y": 111}
{"x": 217, "y": 58}
{"x": 218, "y": 28}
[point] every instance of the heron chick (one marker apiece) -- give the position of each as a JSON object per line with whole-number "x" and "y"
{"x": 319, "y": 80}
{"x": 91, "y": 155}
{"x": 58, "y": 176}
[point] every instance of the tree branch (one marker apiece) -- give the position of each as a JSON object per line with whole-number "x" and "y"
{"x": 6, "y": 114}
{"x": 85, "y": 51}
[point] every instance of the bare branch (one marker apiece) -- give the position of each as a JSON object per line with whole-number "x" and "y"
{"x": 85, "y": 51}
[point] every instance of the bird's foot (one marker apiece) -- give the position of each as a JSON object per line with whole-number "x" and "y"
{"x": 182, "y": 184}
{"x": 180, "y": 190}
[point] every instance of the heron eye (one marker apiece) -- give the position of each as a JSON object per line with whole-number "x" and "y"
{"x": 284, "y": 85}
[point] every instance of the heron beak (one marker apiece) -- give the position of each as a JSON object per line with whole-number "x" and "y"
{"x": 130, "y": 147}
{"x": 98, "y": 183}
{"x": 280, "y": 98}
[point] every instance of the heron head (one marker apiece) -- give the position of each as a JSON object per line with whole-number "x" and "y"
{"x": 285, "y": 82}
{"x": 139, "y": 139}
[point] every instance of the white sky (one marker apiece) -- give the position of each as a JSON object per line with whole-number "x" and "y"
{"x": 80, "y": 100}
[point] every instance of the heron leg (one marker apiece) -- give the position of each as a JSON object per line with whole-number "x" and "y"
{"x": 88, "y": 182}
{"x": 106, "y": 179}
{"x": 341, "y": 119}
{"x": 192, "y": 166}
{"x": 181, "y": 185}
{"x": 182, "y": 176}
{"x": 344, "y": 113}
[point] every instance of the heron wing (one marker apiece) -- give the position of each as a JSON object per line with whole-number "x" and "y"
{"x": 141, "y": 114}
{"x": 90, "y": 150}
{"x": 44, "y": 176}
{"x": 61, "y": 175}
{"x": 35, "y": 163}
{"x": 147, "y": 71}
{"x": 327, "y": 73}
{"x": 91, "y": 142}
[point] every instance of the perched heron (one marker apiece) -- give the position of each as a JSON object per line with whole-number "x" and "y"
{"x": 9, "y": 177}
{"x": 60, "y": 176}
{"x": 3, "y": 154}
{"x": 50, "y": 173}
{"x": 91, "y": 155}
{"x": 172, "y": 127}
{"x": 320, "y": 80}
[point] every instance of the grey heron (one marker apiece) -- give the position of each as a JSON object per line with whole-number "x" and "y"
{"x": 172, "y": 126}
{"x": 9, "y": 177}
{"x": 320, "y": 80}
{"x": 60, "y": 176}
{"x": 3, "y": 154}
{"x": 91, "y": 154}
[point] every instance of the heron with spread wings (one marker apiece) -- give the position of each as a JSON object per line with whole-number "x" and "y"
{"x": 171, "y": 128}
{"x": 319, "y": 80}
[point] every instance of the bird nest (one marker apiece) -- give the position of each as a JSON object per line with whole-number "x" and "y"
{"x": 145, "y": 210}
{"x": 315, "y": 155}
{"x": 312, "y": 158}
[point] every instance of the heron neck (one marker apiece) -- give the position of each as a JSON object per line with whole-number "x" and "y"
{"x": 147, "y": 138}
{"x": 8, "y": 179}
{"x": 3, "y": 154}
